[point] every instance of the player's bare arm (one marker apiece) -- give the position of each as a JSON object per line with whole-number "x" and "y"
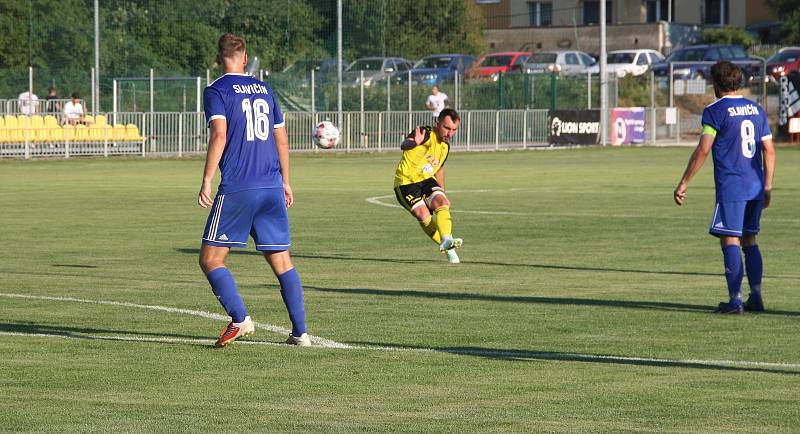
{"x": 282, "y": 146}
{"x": 695, "y": 163}
{"x": 769, "y": 170}
{"x": 419, "y": 137}
{"x": 216, "y": 145}
{"x": 440, "y": 177}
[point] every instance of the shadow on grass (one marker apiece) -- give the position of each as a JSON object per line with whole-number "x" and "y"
{"x": 82, "y": 332}
{"x": 74, "y": 265}
{"x": 525, "y": 355}
{"x": 467, "y": 263}
{"x": 565, "y": 301}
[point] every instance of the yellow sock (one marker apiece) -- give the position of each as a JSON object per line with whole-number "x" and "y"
{"x": 443, "y": 220}
{"x": 431, "y": 230}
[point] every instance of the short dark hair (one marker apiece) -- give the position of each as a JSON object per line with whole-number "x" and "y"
{"x": 727, "y": 76}
{"x": 448, "y": 112}
{"x": 76, "y": 95}
{"x": 229, "y": 45}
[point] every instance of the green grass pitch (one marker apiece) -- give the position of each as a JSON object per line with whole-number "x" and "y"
{"x": 582, "y": 304}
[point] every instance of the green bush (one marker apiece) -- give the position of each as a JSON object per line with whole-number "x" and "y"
{"x": 728, "y": 35}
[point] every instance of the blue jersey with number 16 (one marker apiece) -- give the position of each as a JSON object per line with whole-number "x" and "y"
{"x": 740, "y": 126}
{"x": 248, "y": 106}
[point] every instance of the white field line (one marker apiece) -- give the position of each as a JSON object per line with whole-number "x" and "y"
{"x": 379, "y": 200}
{"x": 321, "y": 342}
{"x": 269, "y": 327}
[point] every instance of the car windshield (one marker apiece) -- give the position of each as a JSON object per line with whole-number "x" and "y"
{"x": 434, "y": 62}
{"x": 543, "y": 58}
{"x": 689, "y": 55}
{"x": 621, "y": 57}
{"x": 366, "y": 65}
{"x": 497, "y": 61}
{"x": 785, "y": 56}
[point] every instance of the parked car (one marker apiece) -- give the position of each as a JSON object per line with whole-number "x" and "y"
{"x": 560, "y": 61}
{"x": 438, "y": 68}
{"x": 491, "y": 65}
{"x": 629, "y": 62}
{"x": 783, "y": 62}
{"x": 694, "y": 62}
{"x": 375, "y": 69}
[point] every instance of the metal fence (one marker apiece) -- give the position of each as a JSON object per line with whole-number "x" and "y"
{"x": 178, "y": 134}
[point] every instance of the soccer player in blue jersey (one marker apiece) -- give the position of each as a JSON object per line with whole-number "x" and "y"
{"x": 248, "y": 141}
{"x": 737, "y": 133}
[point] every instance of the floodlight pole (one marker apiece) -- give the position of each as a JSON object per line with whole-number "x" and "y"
{"x": 603, "y": 75}
{"x": 96, "y": 90}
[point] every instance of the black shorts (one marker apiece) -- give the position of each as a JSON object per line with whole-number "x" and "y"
{"x": 411, "y": 195}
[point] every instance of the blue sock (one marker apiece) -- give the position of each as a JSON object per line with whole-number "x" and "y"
{"x": 224, "y": 288}
{"x": 754, "y": 266}
{"x": 732, "y": 256}
{"x": 292, "y": 293}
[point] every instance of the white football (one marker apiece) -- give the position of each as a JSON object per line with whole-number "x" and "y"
{"x": 325, "y": 135}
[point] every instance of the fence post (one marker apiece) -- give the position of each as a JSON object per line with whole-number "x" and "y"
{"x": 653, "y": 104}
{"x": 409, "y": 101}
{"x": 313, "y": 92}
{"x": 497, "y": 130}
{"x": 525, "y": 129}
{"x": 469, "y": 124}
{"x": 66, "y": 142}
{"x": 501, "y": 91}
{"x": 197, "y": 118}
{"x": 380, "y": 130}
{"x": 27, "y": 141}
{"x": 361, "y": 137}
{"x": 553, "y": 90}
{"x": 105, "y": 142}
{"x": 388, "y": 94}
{"x": 180, "y": 134}
{"x": 589, "y": 90}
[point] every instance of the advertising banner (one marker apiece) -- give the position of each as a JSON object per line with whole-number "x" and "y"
{"x": 627, "y": 125}
{"x": 789, "y": 97}
{"x": 574, "y": 127}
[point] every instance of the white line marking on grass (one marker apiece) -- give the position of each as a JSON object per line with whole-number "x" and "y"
{"x": 326, "y": 343}
{"x": 378, "y": 200}
{"x": 275, "y": 329}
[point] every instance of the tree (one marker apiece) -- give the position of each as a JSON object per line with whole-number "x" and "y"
{"x": 789, "y": 13}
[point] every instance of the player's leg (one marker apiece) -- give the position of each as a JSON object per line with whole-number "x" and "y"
{"x": 271, "y": 233}
{"x": 410, "y": 197}
{"x": 224, "y": 229}
{"x": 727, "y": 225}
{"x": 752, "y": 255}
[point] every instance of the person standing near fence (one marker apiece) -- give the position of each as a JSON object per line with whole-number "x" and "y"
{"x": 436, "y": 102}
{"x": 248, "y": 141}
{"x": 736, "y": 132}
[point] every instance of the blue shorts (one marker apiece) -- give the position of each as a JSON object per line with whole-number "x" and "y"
{"x": 735, "y": 219}
{"x": 260, "y": 213}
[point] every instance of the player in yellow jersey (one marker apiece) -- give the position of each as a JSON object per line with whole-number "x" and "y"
{"x": 419, "y": 180}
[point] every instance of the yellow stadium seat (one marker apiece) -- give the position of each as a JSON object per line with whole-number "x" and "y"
{"x": 81, "y": 133}
{"x": 56, "y": 134}
{"x": 99, "y": 133}
{"x": 100, "y": 120}
{"x": 41, "y": 134}
{"x": 3, "y": 133}
{"x": 69, "y": 133}
{"x": 23, "y": 121}
{"x": 51, "y": 121}
{"x": 89, "y": 119}
{"x": 119, "y": 133}
{"x": 11, "y": 121}
{"x": 132, "y": 133}
{"x": 37, "y": 121}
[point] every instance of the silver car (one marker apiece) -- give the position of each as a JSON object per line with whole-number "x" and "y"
{"x": 559, "y": 61}
{"x": 375, "y": 69}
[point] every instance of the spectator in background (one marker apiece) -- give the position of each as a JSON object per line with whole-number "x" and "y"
{"x": 51, "y": 104}
{"x": 74, "y": 111}
{"x": 28, "y": 103}
{"x": 436, "y": 102}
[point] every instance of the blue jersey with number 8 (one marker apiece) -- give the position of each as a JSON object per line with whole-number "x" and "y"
{"x": 248, "y": 106}
{"x": 739, "y": 126}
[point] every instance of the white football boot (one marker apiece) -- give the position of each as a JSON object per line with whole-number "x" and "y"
{"x": 301, "y": 341}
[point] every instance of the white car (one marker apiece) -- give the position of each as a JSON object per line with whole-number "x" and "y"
{"x": 625, "y": 62}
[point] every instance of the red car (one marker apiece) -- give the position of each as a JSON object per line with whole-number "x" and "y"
{"x": 491, "y": 65}
{"x": 783, "y": 62}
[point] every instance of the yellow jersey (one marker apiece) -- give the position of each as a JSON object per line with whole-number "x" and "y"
{"x": 422, "y": 161}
